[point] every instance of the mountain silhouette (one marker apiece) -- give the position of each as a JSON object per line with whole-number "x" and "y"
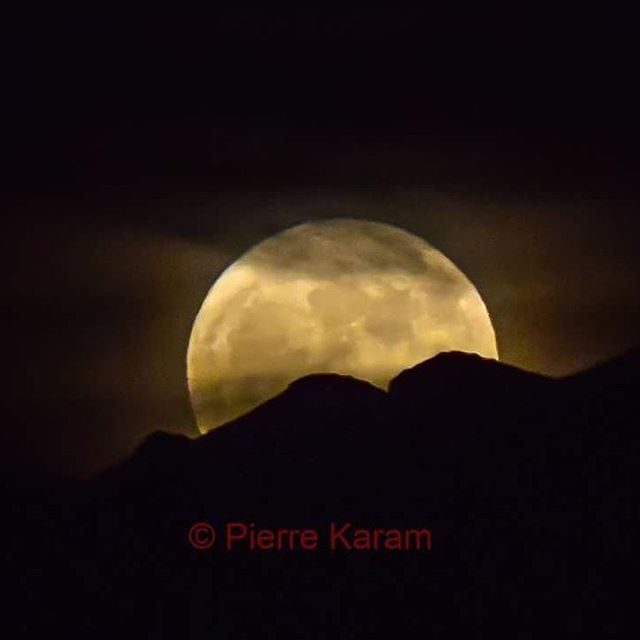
{"x": 527, "y": 484}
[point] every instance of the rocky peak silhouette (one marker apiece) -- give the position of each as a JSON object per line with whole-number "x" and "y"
{"x": 528, "y": 483}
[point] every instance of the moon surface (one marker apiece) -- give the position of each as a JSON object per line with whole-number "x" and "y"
{"x": 345, "y": 296}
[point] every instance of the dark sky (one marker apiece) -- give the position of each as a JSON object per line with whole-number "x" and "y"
{"x": 145, "y": 151}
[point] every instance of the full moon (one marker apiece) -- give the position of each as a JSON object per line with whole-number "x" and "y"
{"x": 340, "y": 296}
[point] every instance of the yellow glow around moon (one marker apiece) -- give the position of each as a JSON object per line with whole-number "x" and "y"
{"x": 338, "y": 296}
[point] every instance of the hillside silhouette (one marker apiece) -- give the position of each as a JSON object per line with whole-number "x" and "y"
{"x": 528, "y": 484}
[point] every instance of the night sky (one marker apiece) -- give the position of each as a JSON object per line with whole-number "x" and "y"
{"x": 144, "y": 152}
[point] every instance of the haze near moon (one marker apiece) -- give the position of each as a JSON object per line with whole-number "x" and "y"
{"x": 337, "y": 296}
